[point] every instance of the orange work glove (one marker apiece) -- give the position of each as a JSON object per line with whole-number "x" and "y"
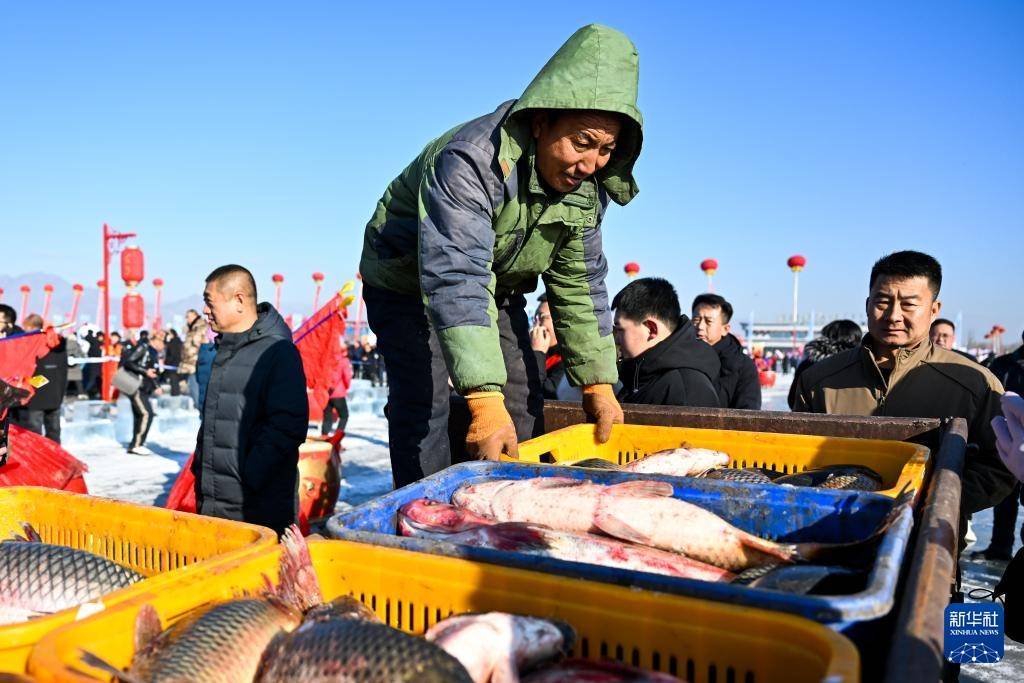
{"x": 491, "y": 430}
{"x": 600, "y": 404}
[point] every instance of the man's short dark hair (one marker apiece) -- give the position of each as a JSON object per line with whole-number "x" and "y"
{"x": 649, "y": 297}
{"x": 844, "y": 332}
{"x": 9, "y": 313}
{"x": 231, "y": 270}
{"x": 713, "y": 301}
{"x": 943, "y": 321}
{"x": 907, "y": 264}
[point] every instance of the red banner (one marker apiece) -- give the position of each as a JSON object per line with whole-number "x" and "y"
{"x": 18, "y": 355}
{"x": 34, "y": 460}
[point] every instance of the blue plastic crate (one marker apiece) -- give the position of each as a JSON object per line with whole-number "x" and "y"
{"x": 783, "y": 513}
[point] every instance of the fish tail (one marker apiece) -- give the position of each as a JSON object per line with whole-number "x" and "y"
{"x": 95, "y": 662}
{"x": 829, "y": 553}
{"x": 298, "y": 587}
{"x": 31, "y": 535}
{"x": 787, "y": 552}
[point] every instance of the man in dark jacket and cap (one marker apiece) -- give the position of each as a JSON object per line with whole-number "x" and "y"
{"x": 663, "y": 361}
{"x": 256, "y": 415}
{"x": 738, "y": 385}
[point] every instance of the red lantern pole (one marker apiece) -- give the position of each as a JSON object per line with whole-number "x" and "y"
{"x": 25, "y": 291}
{"x": 101, "y": 286}
{"x": 796, "y": 263}
{"x": 77, "y": 289}
{"x": 709, "y": 266}
{"x": 47, "y": 300}
{"x": 278, "y": 281}
{"x": 158, "y": 320}
{"x": 111, "y": 241}
{"x": 318, "y": 282}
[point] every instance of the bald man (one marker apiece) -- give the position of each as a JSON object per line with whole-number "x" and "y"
{"x": 255, "y": 414}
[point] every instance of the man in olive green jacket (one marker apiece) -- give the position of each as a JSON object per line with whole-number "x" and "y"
{"x": 462, "y": 234}
{"x": 898, "y": 372}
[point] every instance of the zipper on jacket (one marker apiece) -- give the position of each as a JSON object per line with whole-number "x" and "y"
{"x": 636, "y": 377}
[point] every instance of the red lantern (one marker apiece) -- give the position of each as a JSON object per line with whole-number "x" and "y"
{"x": 277, "y": 278}
{"x": 133, "y": 311}
{"x": 318, "y": 277}
{"x": 77, "y": 288}
{"x": 101, "y": 284}
{"x": 709, "y": 266}
{"x": 632, "y": 269}
{"x": 133, "y": 268}
{"x": 796, "y": 263}
{"x": 158, "y": 282}
{"x": 48, "y": 289}
{"x": 25, "y": 289}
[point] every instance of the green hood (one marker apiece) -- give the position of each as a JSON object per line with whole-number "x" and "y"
{"x": 597, "y": 68}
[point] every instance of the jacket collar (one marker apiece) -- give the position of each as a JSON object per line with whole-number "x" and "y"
{"x": 907, "y": 358}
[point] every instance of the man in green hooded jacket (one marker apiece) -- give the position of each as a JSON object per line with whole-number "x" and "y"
{"x": 461, "y": 235}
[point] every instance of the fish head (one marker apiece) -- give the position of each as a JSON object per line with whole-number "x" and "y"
{"x": 433, "y": 516}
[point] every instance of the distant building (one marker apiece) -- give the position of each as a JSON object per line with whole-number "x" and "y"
{"x": 785, "y": 336}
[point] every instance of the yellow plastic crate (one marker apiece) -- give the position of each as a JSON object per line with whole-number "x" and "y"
{"x": 900, "y": 464}
{"x": 149, "y": 540}
{"x": 697, "y": 640}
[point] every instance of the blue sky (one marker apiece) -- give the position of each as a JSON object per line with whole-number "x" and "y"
{"x": 263, "y": 133}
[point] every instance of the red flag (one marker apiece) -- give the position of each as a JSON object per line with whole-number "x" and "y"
{"x": 18, "y": 355}
{"x": 318, "y": 341}
{"x": 34, "y": 460}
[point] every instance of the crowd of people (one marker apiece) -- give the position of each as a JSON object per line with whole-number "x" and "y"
{"x": 482, "y": 217}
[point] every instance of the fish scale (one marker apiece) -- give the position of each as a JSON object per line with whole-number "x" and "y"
{"x": 221, "y": 645}
{"x": 357, "y": 651}
{"x": 47, "y": 578}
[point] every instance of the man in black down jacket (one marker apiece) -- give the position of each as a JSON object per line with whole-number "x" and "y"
{"x": 738, "y": 385}
{"x": 663, "y": 361}
{"x": 255, "y": 414}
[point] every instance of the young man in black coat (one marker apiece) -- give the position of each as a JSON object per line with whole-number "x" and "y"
{"x": 738, "y": 385}
{"x": 255, "y": 414}
{"x": 663, "y": 361}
